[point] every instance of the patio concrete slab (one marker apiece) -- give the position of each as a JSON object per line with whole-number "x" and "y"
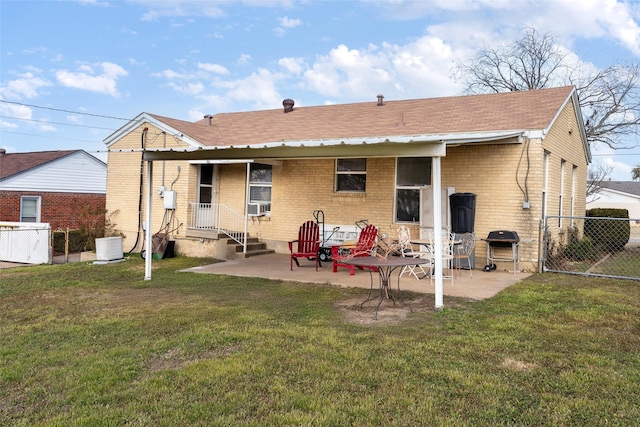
{"x": 276, "y": 266}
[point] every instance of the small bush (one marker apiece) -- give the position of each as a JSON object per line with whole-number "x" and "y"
{"x": 610, "y": 235}
{"x": 580, "y": 251}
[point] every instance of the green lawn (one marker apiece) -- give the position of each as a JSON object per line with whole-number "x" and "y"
{"x": 97, "y": 345}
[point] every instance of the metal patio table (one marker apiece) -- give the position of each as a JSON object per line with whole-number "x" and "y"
{"x": 385, "y": 266}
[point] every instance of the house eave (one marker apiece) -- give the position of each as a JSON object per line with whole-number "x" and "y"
{"x": 379, "y": 146}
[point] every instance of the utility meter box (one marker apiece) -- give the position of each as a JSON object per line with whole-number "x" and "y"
{"x": 169, "y": 199}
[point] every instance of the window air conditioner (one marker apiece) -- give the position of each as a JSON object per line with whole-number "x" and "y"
{"x": 256, "y": 209}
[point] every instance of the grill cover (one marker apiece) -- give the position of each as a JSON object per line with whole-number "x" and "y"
{"x": 502, "y": 238}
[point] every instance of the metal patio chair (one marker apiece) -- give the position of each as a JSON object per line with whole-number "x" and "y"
{"x": 407, "y": 250}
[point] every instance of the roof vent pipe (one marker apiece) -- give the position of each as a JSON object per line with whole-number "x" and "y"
{"x": 288, "y": 105}
{"x": 380, "y": 98}
{"x": 2, "y": 152}
{"x": 207, "y": 119}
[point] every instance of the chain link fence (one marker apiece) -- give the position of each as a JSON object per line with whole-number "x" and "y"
{"x": 592, "y": 246}
{"x": 24, "y": 243}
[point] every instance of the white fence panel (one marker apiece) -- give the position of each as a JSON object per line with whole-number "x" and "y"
{"x": 27, "y": 243}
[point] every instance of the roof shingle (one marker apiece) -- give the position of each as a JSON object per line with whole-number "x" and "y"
{"x": 524, "y": 110}
{"x": 14, "y": 163}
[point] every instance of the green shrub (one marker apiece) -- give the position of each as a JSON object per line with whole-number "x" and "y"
{"x": 610, "y": 235}
{"x": 580, "y": 251}
{"x": 77, "y": 241}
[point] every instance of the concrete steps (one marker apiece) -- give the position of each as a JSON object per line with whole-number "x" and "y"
{"x": 254, "y": 248}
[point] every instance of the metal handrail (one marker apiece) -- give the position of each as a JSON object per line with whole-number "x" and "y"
{"x": 208, "y": 216}
{"x": 232, "y": 224}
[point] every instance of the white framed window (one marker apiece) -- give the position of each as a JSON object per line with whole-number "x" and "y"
{"x": 351, "y": 175}
{"x": 412, "y": 173}
{"x": 545, "y": 187}
{"x": 30, "y": 209}
{"x": 260, "y": 178}
{"x": 573, "y": 194}
{"x": 206, "y": 188}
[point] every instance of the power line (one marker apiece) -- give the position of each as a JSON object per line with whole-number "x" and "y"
{"x": 50, "y": 137}
{"x": 615, "y": 154}
{"x": 64, "y": 111}
{"x": 57, "y": 123}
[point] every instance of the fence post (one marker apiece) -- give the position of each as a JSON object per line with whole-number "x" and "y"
{"x": 66, "y": 246}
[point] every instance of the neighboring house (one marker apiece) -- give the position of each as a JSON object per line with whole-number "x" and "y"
{"x": 54, "y": 187}
{"x": 523, "y": 154}
{"x": 618, "y": 195}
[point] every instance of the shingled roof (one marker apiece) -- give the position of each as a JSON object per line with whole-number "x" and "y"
{"x": 14, "y": 163}
{"x": 511, "y": 111}
{"x": 629, "y": 187}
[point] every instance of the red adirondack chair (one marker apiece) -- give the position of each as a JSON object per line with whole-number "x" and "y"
{"x": 364, "y": 246}
{"x": 307, "y": 245}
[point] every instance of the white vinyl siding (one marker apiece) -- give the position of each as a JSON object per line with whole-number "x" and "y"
{"x": 76, "y": 173}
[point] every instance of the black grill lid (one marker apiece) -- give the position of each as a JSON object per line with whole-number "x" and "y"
{"x": 503, "y": 236}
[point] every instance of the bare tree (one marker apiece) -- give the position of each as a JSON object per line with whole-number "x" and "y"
{"x": 609, "y": 98}
{"x": 596, "y": 174}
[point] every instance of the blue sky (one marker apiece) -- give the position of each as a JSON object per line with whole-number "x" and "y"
{"x": 71, "y": 71}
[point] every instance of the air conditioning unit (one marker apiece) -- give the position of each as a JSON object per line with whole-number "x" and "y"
{"x": 257, "y": 209}
{"x": 109, "y": 249}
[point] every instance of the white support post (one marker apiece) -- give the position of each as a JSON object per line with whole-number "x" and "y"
{"x": 437, "y": 231}
{"x": 147, "y": 232}
{"x": 247, "y": 197}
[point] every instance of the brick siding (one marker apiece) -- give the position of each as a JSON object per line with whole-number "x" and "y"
{"x": 496, "y": 173}
{"x": 60, "y": 210}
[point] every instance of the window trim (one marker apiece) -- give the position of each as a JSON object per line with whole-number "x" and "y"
{"x": 545, "y": 185}
{"x": 573, "y": 194}
{"x": 561, "y": 195}
{"x": 415, "y": 187}
{"x": 211, "y": 186}
{"x": 337, "y": 173}
{"x": 260, "y": 184}
{"x": 38, "y": 200}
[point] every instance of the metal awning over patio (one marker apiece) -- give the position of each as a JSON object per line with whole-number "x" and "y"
{"x": 433, "y": 146}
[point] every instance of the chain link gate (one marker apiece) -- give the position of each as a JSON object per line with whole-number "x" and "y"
{"x": 592, "y": 246}
{"x": 25, "y": 243}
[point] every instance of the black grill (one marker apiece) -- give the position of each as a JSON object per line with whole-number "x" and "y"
{"x": 502, "y": 238}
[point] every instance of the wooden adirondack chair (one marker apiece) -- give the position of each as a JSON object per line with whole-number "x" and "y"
{"x": 307, "y": 244}
{"x": 364, "y": 246}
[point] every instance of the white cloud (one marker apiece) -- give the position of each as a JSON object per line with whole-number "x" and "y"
{"x": 177, "y": 8}
{"x": 257, "y": 90}
{"x": 213, "y": 68}
{"x": 129, "y": 31}
{"x": 85, "y": 78}
{"x": 134, "y": 61}
{"x": 15, "y": 110}
{"x": 8, "y": 125}
{"x": 74, "y": 118}
{"x": 188, "y": 88}
{"x": 244, "y": 59}
{"x": 173, "y": 75}
{"x": 399, "y": 72}
{"x": 25, "y": 86}
{"x": 293, "y": 65}
{"x": 287, "y": 22}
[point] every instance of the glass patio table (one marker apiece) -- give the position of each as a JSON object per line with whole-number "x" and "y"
{"x": 385, "y": 266}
